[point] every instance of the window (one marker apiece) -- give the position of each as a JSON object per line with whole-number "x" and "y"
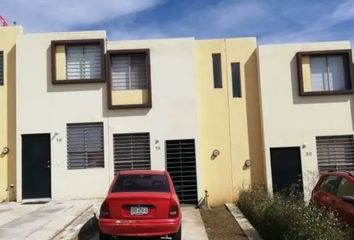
{"x": 129, "y": 72}
{"x": 129, "y": 79}
{"x": 330, "y": 184}
{"x": 325, "y": 72}
{"x": 236, "y": 80}
{"x": 345, "y": 188}
{"x": 78, "y": 61}
{"x": 217, "y": 70}
{"x": 85, "y": 145}
{"x": 131, "y": 151}
{"x": 83, "y": 62}
{"x": 1, "y": 68}
{"x": 335, "y": 153}
{"x": 181, "y": 164}
{"x": 141, "y": 183}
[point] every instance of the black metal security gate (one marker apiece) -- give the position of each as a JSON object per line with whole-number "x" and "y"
{"x": 181, "y": 164}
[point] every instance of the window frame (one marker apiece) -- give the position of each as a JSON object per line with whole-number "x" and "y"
{"x": 217, "y": 70}
{"x": 236, "y": 80}
{"x": 348, "y": 68}
{"x": 77, "y": 42}
{"x": 109, "y": 55}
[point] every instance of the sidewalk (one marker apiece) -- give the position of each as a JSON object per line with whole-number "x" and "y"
{"x": 39, "y": 221}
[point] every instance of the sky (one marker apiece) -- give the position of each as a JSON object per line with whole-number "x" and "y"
{"x": 271, "y": 21}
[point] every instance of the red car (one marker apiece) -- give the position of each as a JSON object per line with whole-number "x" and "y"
{"x": 141, "y": 203}
{"x": 335, "y": 190}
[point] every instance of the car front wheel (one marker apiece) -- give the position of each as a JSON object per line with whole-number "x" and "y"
{"x": 177, "y": 235}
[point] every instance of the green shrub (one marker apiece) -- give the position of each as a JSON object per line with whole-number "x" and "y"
{"x": 289, "y": 218}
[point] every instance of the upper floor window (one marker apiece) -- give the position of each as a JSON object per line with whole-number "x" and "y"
{"x": 326, "y": 72}
{"x": 1, "y": 68}
{"x": 129, "y": 71}
{"x": 76, "y": 61}
{"x": 217, "y": 70}
{"x": 129, "y": 78}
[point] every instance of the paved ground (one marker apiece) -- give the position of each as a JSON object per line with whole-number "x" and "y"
{"x": 39, "y": 221}
{"x": 192, "y": 227}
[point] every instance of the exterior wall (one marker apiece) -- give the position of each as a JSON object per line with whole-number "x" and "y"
{"x": 8, "y": 37}
{"x": 291, "y": 120}
{"x": 47, "y": 108}
{"x": 230, "y": 125}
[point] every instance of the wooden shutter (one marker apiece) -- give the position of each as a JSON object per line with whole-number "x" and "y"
{"x": 335, "y": 153}
{"x": 131, "y": 151}
{"x": 83, "y": 61}
{"x": 85, "y": 145}
{"x": 1, "y": 68}
{"x": 181, "y": 164}
{"x": 129, "y": 71}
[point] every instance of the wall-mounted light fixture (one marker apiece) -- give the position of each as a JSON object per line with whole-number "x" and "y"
{"x": 5, "y": 150}
{"x": 215, "y": 153}
{"x": 248, "y": 163}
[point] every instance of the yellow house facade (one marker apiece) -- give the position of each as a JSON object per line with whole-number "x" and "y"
{"x": 231, "y": 155}
{"x": 8, "y": 37}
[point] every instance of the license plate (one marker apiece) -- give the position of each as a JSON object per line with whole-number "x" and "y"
{"x": 139, "y": 211}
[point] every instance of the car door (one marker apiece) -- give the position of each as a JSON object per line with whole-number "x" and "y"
{"x": 345, "y": 209}
{"x": 327, "y": 193}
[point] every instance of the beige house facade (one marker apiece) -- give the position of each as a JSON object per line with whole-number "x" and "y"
{"x": 307, "y": 111}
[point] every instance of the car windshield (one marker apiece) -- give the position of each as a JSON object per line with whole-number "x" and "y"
{"x": 141, "y": 183}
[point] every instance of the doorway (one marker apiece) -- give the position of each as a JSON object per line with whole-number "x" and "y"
{"x": 36, "y": 164}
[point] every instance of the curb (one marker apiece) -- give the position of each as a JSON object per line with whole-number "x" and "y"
{"x": 72, "y": 230}
{"x": 245, "y": 225}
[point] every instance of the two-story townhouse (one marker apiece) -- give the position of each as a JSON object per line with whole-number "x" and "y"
{"x": 231, "y": 153}
{"x": 307, "y": 111}
{"x": 88, "y": 108}
{"x": 8, "y": 37}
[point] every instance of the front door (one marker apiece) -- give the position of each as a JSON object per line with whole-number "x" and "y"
{"x": 36, "y": 166}
{"x": 286, "y": 169}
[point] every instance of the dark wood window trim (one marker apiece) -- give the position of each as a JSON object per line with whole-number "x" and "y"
{"x": 109, "y": 78}
{"x": 101, "y": 42}
{"x": 348, "y": 65}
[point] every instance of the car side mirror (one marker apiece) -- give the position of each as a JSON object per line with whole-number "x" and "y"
{"x": 348, "y": 199}
{"x": 177, "y": 188}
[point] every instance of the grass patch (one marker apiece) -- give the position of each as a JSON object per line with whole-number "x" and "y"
{"x": 220, "y": 224}
{"x": 289, "y": 218}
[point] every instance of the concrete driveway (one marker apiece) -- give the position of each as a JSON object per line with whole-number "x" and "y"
{"x": 39, "y": 221}
{"x": 192, "y": 227}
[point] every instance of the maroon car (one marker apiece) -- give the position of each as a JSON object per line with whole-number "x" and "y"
{"x": 335, "y": 190}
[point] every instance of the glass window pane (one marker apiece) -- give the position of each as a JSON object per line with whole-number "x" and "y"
{"x": 345, "y": 188}
{"x": 336, "y": 75}
{"x": 319, "y": 70}
{"x": 330, "y": 184}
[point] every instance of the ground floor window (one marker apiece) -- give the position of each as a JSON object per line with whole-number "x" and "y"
{"x": 335, "y": 153}
{"x": 85, "y": 146}
{"x": 131, "y": 151}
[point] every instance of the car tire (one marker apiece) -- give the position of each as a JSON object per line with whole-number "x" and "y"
{"x": 103, "y": 236}
{"x": 177, "y": 235}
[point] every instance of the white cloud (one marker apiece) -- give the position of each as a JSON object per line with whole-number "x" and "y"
{"x": 205, "y": 21}
{"x": 54, "y": 15}
{"x": 344, "y": 12}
